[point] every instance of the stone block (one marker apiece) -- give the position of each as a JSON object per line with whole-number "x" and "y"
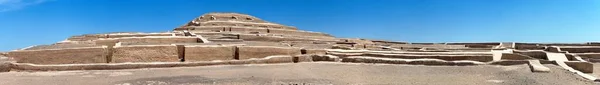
{"x": 247, "y": 52}
{"x": 61, "y": 56}
{"x": 145, "y": 53}
{"x": 209, "y": 52}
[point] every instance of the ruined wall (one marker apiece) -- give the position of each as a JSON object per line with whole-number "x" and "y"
{"x": 255, "y": 37}
{"x": 87, "y": 37}
{"x": 296, "y": 33}
{"x": 138, "y": 35}
{"x": 145, "y": 53}
{"x": 247, "y": 52}
{"x": 61, "y": 56}
{"x": 581, "y": 49}
{"x": 209, "y": 53}
{"x": 157, "y": 40}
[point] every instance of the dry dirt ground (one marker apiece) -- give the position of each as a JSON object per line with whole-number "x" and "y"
{"x": 320, "y": 73}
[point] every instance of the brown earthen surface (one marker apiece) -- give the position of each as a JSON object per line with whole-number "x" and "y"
{"x": 209, "y": 53}
{"x": 158, "y": 53}
{"x": 247, "y": 52}
{"x": 61, "y": 56}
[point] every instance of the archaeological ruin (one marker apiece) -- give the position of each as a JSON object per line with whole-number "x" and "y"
{"x": 236, "y": 39}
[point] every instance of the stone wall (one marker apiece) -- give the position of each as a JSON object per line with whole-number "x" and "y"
{"x": 146, "y": 53}
{"x": 61, "y": 56}
{"x": 209, "y": 52}
{"x": 247, "y": 52}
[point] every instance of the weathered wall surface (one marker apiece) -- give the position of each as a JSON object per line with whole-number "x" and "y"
{"x": 296, "y": 33}
{"x": 157, "y": 40}
{"x": 534, "y": 54}
{"x": 581, "y": 50}
{"x": 315, "y": 51}
{"x": 152, "y": 53}
{"x": 61, "y": 56}
{"x": 138, "y": 35}
{"x": 247, "y": 52}
{"x": 527, "y": 46}
{"x": 209, "y": 52}
{"x": 87, "y": 37}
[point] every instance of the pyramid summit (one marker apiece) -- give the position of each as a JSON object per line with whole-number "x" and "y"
{"x": 232, "y": 19}
{"x": 238, "y": 39}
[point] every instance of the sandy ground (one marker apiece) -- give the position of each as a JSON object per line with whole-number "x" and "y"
{"x": 320, "y": 73}
{"x": 596, "y": 72}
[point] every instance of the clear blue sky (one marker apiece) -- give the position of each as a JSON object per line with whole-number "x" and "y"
{"x": 32, "y": 22}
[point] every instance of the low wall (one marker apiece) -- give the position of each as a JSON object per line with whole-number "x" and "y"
{"x": 209, "y": 52}
{"x": 528, "y": 46}
{"x": 361, "y": 59}
{"x": 581, "y": 49}
{"x": 61, "y": 56}
{"x": 247, "y": 52}
{"x": 111, "y": 66}
{"x": 146, "y": 53}
{"x": 157, "y": 40}
{"x": 296, "y": 32}
{"x": 314, "y": 51}
{"x": 254, "y": 37}
{"x": 535, "y": 54}
{"x": 87, "y": 37}
{"x": 585, "y": 67}
{"x": 137, "y": 35}
{"x": 513, "y": 56}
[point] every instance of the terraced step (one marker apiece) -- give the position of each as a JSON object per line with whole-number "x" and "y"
{"x": 447, "y": 56}
{"x": 365, "y": 59}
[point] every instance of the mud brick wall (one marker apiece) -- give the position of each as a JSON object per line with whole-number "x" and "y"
{"x": 296, "y": 33}
{"x": 87, "y": 37}
{"x": 581, "y": 50}
{"x": 146, "y": 53}
{"x": 61, "y": 56}
{"x": 158, "y": 40}
{"x": 247, "y": 52}
{"x": 138, "y": 35}
{"x": 254, "y": 37}
{"x": 209, "y": 53}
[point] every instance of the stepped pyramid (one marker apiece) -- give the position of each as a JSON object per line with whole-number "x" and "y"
{"x": 234, "y": 38}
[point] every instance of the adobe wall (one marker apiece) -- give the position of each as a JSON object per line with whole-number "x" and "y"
{"x": 157, "y": 40}
{"x": 314, "y": 51}
{"x": 209, "y": 53}
{"x": 581, "y": 49}
{"x": 61, "y": 56}
{"x": 255, "y": 37}
{"x": 138, "y": 35}
{"x": 61, "y": 46}
{"x": 426, "y": 46}
{"x": 87, "y": 37}
{"x": 529, "y": 46}
{"x": 296, "y": 32}
{"x": 145, "y": 53}
{"x": 247, "y": 52}
{"x": 534, "y": 54}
